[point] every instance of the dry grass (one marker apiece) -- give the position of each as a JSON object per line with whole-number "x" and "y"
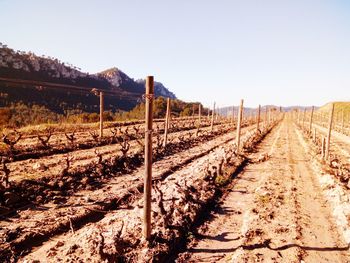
{"x": 339, "y": 106}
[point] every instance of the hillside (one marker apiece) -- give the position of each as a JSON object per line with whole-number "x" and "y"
{"x": 339, "y": 107}
{"x": 28, "y": 66}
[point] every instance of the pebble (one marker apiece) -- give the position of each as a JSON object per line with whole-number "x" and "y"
{"x": 39, "y": 166}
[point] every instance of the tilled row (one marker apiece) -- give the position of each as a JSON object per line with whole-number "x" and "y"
{"x": 90, "y": 173}
{"x": 340, "y": 143}
{"x": 55, "y": 164}
{"x": 338, "y": 162}
{"x": 88, "y": 205}
{"x": 61, "y": 128}
{"x": 45, "y": 144}
{"x": 177, "y": 202}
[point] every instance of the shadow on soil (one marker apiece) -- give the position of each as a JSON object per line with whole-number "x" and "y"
{"x": 265, "y": 244}
{"x": 221, "y": 237}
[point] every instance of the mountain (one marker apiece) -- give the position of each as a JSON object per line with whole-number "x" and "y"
{"x": 159, "y": 89}
{"x": 119, "y": 79}
{"x": 71, "y": 86}
{"x": 116, "y": 77}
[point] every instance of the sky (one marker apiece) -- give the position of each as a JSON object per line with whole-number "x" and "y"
{"x": 266, "y": 52}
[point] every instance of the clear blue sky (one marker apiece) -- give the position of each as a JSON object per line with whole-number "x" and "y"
{"x": 267, "y": 52}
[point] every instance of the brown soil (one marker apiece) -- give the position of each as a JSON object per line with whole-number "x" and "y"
{"x": 52, "y": 165}
{"x": 275, "y": 211}
{"x": 340, "y": 143}
{"x": 38, "y": 222}
{"x": 30, "y": 147}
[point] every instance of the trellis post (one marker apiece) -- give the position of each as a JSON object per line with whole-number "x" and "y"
{"x": 330, "y": 121}
{"x": 239, "y": 120}
{"x": 101, "y": 113}
{"x": 148, "y": 158}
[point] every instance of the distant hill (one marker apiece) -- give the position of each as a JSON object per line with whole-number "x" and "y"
{"x": 248, "y": 110}
{"x": 339, "y": 106}
{"x": 291, "y": 108}
{"x": 28, "y": 66}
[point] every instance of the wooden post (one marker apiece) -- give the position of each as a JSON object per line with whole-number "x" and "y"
{"x": 266, "y": 109}
{"x": 169, "y": 115}
{"x": 258, "y": 120}
{"x": 166, "y": 125}
{"x": 314, "y": 139}
{"x": 329, "y": 132}
{"x": 342, "y": 122}
{"x": 199, "y": 115}
{"x": 272, "y": 113}
{"x": 199, "y": 119}
{"x": 239, "y": 120}
{"x": 233, "y": 114}
{"x": 101, "y": 113}
{"x": 311, "y": 116}
{"x": 323, "y": 146}
{"x": 212, "y": 118}
{"x": 217, "y": 113}
{"x": 148, "y": 159}
{"x": 303, "y": 124}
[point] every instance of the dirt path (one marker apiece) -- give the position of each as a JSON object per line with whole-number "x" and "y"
{"x": 275, "y": 212}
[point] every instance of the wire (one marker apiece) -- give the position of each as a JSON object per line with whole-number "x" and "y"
{"x": 42, "y": 85}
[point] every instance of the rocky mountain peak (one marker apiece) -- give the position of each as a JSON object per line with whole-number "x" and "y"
{"x": 159, "y": 89}
{"x": 115, "y": 76}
